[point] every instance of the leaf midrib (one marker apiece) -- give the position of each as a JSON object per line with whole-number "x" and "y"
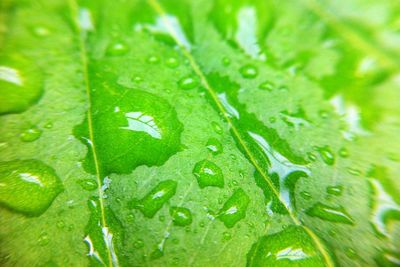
{"x": 83, "y": 57}
{"x": 159, "y": 9}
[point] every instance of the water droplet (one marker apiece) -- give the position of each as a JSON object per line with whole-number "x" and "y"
{"x": 234, "y": 208}
{"x": 351, "y": 253}
{"x": 248, "y": 71}
{"x": 155, "y": 199}
{"x": 354, "y": 172}
{"x": 153, "y": 59}
{"x": 187, "y": 83}
{"x": 48, "y": 125}
{"x": 226, "y": 236}
{"x": 326, "y": 155}
{"x": 226, "y": 61}
{"x": 328, "y": 213}
{"x": 216, "y": 127}
{"x": 208, "y": 173}
{"x": 289, "y": 247}
{"x": 43, "y": 239}
{"x": 388, "y": 258}
{"x": 31, "y": 134}
{"x": 145, "y": 132}
{"x": 311, "y": 156}
{"x": 214, "y": 146}
{"x": 181, "y": 216}
{"x": 335, "y": 190}
{"x": 117, "y": 48}
{"x": 343, "y": 153}
{"x": 88, "y": 184}
{"x": 28, "y": 186}
{"x": 40, "y": 31}
{"x": 266, "y": 86}
{"x": 306, "y": 195}
{"x": 172, "y": 63}
{"x": 138, "y": 243}
{"x": 21, "y": 84}
{"x": 323, "y": 114}
{"x": 137, "y": 79}
{"x": 61, "y": 224}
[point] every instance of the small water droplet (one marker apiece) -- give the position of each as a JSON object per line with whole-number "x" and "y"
{"x": 31, "y": 134}
{"x": 266, "y": 86}
{"x": 181, "y": 216}
{"x": 87, "y": 184}
{"x": 172, "y": 63}
{"x": 216, "y": 127}
{"x": 40, "y": 31}
{"x": 323, "y": 114}
{"x": 117, "y": 48}
{"x": 226, "y": 236}
{"x": 137, "y": 79}
{"x": 306, "y": 195}
{"x": 208, "y": 173}
{"x": 248, "y": 71}
{"x": 48, "y": 125}
{"x": 187, "y": 83}
{"x": 214, "y": 146}
{"x": 326, "y": 155}
{"x": 354, "y": 172}
{"x": 234, "y": 208}
{"x": 28, "y": 186}
{"x": 226, "y": 61}
{"x": 351, "y": 253}
{"x": 60, "y": 224}
{"x": 328, "y": 213}
{"x": 153, "y": 59}
{"x": 155, "y": 199}
{"x": 343, "y": 152}
{"x": 43, "y": 239}
{"x": 335, "y": 190}
{"x": 138, "y": 243}
{"x": 311, "y": 156}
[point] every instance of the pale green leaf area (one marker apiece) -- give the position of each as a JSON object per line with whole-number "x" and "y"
{"x": 199, "y": 133}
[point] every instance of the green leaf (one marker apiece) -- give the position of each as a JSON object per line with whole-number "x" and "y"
{"x": 199, "y": 133}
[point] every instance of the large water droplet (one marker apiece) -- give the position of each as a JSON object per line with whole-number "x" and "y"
{"x": 289, "y": 247}
{"x": 234, "y": 208}
{"x": 131, "y": 128}
{"x": 328, "y": 213}
{"x": 214, "y": 146}
{"x": 20, "y": 84}
{"x": 181, "y": 216}
{"x": 28, "y": 186}
{"x": 155, "y": 199}
{"x": 208, "y": 174}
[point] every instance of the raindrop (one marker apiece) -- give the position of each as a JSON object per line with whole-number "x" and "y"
{"x": 234, "y": 208}
{"x": 155, "y": 199}
{"x": 248, "y": 71}
{"x": 208, "y": 173}
{"x": 31, "y": 134}
{"x": 181, "y": 216}
{"x": 328, "y": 213}
{"x": 28, "y": 186}
{"x": 214, "y": 146}
{"x": 187, "y": 83}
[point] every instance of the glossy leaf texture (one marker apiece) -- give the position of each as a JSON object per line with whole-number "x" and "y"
{"x": 199, "y": 133}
